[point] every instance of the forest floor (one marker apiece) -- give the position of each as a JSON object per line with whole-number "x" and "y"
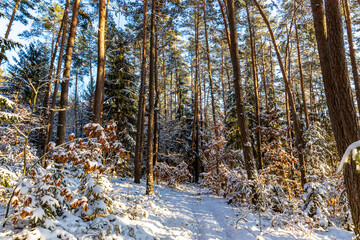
{"x": 187, "y": 212}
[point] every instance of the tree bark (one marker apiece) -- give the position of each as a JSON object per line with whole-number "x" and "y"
{"x": 329, "y": 36}
{"x": 225, "y": 23}
{"x": 240, "y": 106}
{"x": 195, "y": 128}
{"x": 150, "y": 140}
{"x": 100, "y": 80}
{"x": 141, "y": 111}
{"x": 61, "y": 130}
{"x": 157, "y": 98}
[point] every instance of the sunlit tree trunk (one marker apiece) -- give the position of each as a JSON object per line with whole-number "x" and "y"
{"x": 195, "y": 129}
{"x": 49, "y": 127}
{"x": 141, "y": 108}
{"x": 10, "y": 24}
{"x": 100, "y": 80}
{"x": 330, "y": 41}
{"x": 61, "y": 130}
{"x": 157, "y": 100}
{"x": 46, "y": 110}
{"x": 240, "y": 106}
{"x": 150, "y": 137}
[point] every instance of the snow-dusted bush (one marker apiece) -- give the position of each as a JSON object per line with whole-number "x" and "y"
{"x": 7, "y": 177}
{"x": 88, "y": 160}
{"x": 172, "y": 175}
{"x": 37, "y": 200}
{"x": 315, "y": 196}
{"x": 42, "y": 195}
{"x": 6, "y": 115}
{"x": 95, "y": 200}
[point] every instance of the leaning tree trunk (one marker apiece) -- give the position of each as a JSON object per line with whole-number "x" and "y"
{"x": 100, "y": 80}
{"x": 297, "y": 127}
{"x": 226, "y": 23}
{"x": 65, "y": 84}
{"x": 240, "y": 105}
{"x": 141, "y": 109}
{"x": 10, "y": 25}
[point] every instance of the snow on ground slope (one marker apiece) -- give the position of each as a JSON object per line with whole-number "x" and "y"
{"x": 184, "y": 213}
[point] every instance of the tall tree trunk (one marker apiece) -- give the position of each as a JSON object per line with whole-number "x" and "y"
{"x": 100, "y": 80}
{"x": 157, "y": 98}
{"x": 264, "y": 78}
{"x": 329, "y": 36}
{"x": 75, "y": 103}
{"x": 150, "y": 140}
{"x": 256, "y": 87}
{"x": 91, "y": 73}
{"x": 222, "y": 81}
{"x": 164, "y": 82}
{"x": 354, "y": 68}
{"x": 53, "y": 56}
{"x": 171, "y": 91}
{"x": 195, "y": 129}
{"x": 61, "y": 130}
{"x": 240, "y": 106}
{"x": 141, "y": 111}
{"x": 209, "y": 70}
{"x": 312, "y": 102}
{"x": 46, "y": 110}
{"x": 225, "y": 23}
{"x": 49, "y": 131}
{"x": 297, "y": 127}
{"x": 307, "y": 121}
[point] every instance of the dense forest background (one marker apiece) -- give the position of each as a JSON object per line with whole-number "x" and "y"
{"x": 256, "y": 100}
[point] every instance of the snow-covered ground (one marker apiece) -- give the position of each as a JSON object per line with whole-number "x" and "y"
{"x": 188, "y": 212}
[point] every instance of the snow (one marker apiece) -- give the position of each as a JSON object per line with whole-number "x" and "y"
{"x": 38, "y": 214}
{"x": 188, "y": 212}
{"x": 346, "y": 155}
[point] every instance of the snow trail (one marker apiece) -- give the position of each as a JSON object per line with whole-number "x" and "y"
{"x": 191, "y": 212}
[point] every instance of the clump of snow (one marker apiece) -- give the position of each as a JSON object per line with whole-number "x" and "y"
{"x": 346, "y": 155}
